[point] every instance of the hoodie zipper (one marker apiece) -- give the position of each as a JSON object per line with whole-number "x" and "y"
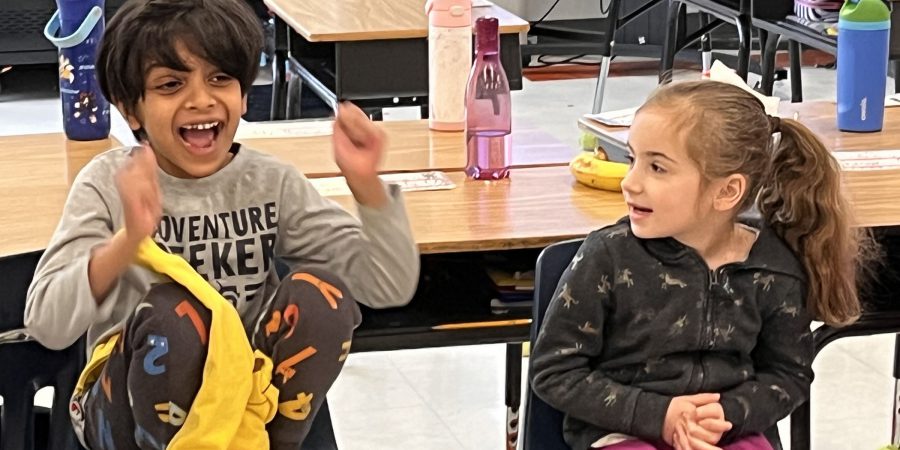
{"x": 708, "y": 335}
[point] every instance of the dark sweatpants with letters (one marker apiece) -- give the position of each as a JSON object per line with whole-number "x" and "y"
{"x": 149, "y": 383}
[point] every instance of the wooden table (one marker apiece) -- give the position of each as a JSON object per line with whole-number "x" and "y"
{"x": 35, "y": 174}
{"x": 37, "y": 170}
{"x": 542, "y": 205}
{"x": 365, "y": 20}
{"x": 367, "y": 51}
{"x": 412, "y": 147}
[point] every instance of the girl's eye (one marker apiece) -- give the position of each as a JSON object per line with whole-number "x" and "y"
{"x": 657, "y": 168}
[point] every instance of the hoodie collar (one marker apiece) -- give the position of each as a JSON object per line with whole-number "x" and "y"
{"x": 769, "y": 252}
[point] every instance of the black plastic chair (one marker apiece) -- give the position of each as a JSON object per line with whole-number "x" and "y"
{"x": 543, "y": 423}
{"x": 882, "y": 316}
{"x": 27, "y": 367}
{"x": 868, "y": 325}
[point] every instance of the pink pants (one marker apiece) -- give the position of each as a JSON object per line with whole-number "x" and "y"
{"x": 752, "y": 442}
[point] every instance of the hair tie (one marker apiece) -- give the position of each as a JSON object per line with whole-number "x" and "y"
{"x": 774, "y": 125}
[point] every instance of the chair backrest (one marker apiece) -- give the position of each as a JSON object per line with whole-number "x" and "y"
{"x": 16, "y": 273}
{"x": 543, "y": 424}
{"x": 35, "y": 367}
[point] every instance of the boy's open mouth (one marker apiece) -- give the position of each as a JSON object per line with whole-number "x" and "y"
{"x": 200, "y": 136}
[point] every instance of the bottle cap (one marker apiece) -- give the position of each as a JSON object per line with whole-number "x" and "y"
{"x": 487, "y": 34}
{"x": 865, "y": 15}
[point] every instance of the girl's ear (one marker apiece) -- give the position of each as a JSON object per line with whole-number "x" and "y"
{"x": 730, "y": 192}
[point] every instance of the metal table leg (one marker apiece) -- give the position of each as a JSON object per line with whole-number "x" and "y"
{"x": 279, "y": 67}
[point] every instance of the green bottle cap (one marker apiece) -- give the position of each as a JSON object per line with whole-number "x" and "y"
{"x": 865, "y": 11}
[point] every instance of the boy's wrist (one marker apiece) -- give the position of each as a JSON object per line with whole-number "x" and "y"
{"x": 126, "y": 243}
{"x": 368, "y": 191}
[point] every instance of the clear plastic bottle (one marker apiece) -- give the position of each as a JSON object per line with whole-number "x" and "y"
{"x": 488, "y": 107}
{"x": 449, "y": 61}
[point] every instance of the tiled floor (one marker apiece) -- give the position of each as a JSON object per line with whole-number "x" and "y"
{"x": 452, "y": 398}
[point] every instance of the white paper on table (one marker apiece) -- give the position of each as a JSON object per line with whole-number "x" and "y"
{"x": 617, "y": 118}
{"x": 723, "y": 73}
{"x": 410, "y": 181}
{"x": 481, "y": 3}
{"x": 283, "y": 129}
{"x": 869, "y": 160}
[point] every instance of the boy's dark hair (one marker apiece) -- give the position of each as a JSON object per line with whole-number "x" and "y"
{"x": 144, "y": 33}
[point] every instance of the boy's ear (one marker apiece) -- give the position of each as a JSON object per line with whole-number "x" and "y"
{"x": 730, "y": 192}
{"x": 244, "y": 103}
{"x": 133, "y": 122}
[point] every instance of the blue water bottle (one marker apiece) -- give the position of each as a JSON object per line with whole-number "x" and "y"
{"x": 76, "y": 29}
{"x": 863, "y": 34}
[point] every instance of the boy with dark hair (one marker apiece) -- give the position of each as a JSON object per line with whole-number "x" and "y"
{"x": 179, "y": 71}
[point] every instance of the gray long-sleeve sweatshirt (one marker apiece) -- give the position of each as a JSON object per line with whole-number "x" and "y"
{"x": 230, "y": 226}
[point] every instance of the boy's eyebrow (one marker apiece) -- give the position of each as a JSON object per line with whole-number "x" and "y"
{"x": 162, "y": 67}
{"x": 652, "y": 154}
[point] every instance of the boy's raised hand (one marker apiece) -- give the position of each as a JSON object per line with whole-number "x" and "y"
{"x": 358, "y": 149}
{"x": 138, "y": 185}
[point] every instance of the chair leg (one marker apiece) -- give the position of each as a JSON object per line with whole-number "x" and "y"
{"x": 896, "y": 64}
{"x": 667, "y": 62}
{"x": 763, "y": 38}
{"x": 895, "y": 430}
{"x": 795, "y": 50}
{"x": 800, "y": 427}
{"x": 743, "y": 25}
{"x": 17, "y": 420}
{"x": 279, "y": 69}
{"x": 769, "y": 52}
{"x": 705, "y": 45}
{"x": 513, "y": 393}
{"x": 602, "y": 79}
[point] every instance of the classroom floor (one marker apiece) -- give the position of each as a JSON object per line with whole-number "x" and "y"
{"x": 453, "y": 398}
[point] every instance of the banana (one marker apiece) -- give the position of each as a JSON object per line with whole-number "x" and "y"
{"x": 594, "y": 170}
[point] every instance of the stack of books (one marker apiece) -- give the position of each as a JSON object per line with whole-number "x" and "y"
{"x": 514, "y": 290}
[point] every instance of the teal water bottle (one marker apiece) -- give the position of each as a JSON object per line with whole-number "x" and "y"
{"x": 863, "y": 35}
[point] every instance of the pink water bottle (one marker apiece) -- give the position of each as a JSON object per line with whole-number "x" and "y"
{"x": 488, "y": 108}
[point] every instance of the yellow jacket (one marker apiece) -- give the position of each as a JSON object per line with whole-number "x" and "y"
{"x": 234, "y": 402}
